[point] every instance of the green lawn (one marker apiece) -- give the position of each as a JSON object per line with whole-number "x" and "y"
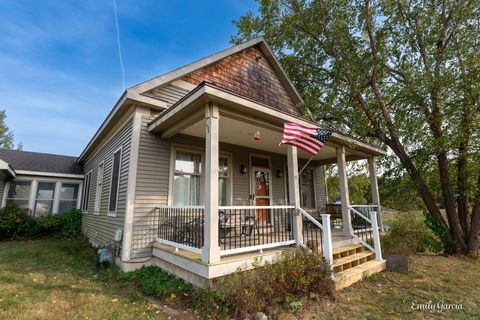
{"x": 390, "y": 295}
{"x": 56, "y": 279}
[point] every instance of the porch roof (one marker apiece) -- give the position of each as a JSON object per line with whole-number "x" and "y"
{"x": 240, "y": 114}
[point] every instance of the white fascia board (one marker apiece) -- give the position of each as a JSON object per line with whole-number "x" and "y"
{"x": 49, "y": 174}
{"x": 4, "y": 166}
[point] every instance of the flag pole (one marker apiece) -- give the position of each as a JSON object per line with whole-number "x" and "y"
{"x": 306, "y": 164}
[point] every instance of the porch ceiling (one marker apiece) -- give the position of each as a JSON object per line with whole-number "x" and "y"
{"x": 241, "y": 133}
{"x": 239, "y": 119}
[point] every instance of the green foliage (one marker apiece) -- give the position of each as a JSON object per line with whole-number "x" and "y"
{"x": 408, "y": 234}
{"x": 282, "y": 284}
{"x": 443, "y": 244}
{"x": 6, "y": 136}
{"x": 155, "y": 282}
{"x": 402, "y": 73}
{"x": 18, "y": 224}
{"x": 72, "y": 223}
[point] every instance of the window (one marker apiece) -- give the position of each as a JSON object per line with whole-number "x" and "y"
{"x": 307, "y": 189}
{"x": 187, "y": 178}
{"x": 68, "y": 197}
{"x": 19, "y": 193}
{"x": 98, "y": 191}
{"x": 44, "y": 198}
{"x": 112, "y": 204}
{"x": 223, "y": 175}
{"x": 86, "y": 191}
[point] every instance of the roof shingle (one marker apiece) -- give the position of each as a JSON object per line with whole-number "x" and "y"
{"x": 42, "y": 162}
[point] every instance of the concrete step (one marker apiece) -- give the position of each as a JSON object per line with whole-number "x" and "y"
{"x": 348, "y": 277}
{"x": 344, "y": 251}
{"x": 352, "y": 260}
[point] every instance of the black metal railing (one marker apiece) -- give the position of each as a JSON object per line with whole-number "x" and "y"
{"x": 243, "y": 227}
{"x": 362, "y": 227}
{"x": 182, "y": 225}
{"x": 312, "y": 233}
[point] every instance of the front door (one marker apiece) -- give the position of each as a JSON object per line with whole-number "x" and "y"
{"x": 261, "y": 192}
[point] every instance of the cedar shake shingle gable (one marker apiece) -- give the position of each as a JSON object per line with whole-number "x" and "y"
{"x": 248, "y": 73}
{"x": 41, "y": 162}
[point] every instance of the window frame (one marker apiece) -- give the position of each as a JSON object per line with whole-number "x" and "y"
{"x": 98, "y": 191}
{"x": 192, "y": 149}
{"x": 29, "y": 199}
{"x": 85, "y": 196}
{"x": 313, "y": 189}
{"x": 59, "y": 195}
{"x": 113, "y": 213}
{"x": 228, "y": 178}
{"x": 54, "y": 198}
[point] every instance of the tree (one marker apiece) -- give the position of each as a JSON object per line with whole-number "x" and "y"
{"x": 406, "y": 73}
{"x": 6, "y": 136}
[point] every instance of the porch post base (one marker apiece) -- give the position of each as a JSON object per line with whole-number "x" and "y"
{"x": 210, "y": 255}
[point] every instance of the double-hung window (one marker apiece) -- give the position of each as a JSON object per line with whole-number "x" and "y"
{"x": 187, "y": 178}
{"x": 307, "y": 189}
{"x": 86, "y": 191}
{"x": 44, "y": 198}
{"x": 68, "y": 197}
{"x": 19, "y": 193}
{"x": 223, "y": 181}
{"x": 116, "y": 166}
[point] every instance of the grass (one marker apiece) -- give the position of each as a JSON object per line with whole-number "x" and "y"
{"x": 390, "y": 295}
{"x": 56, "y": 279}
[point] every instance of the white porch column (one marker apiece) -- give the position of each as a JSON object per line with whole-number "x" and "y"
{"x": 327, "y": 242}
{"x": 345, "y": 198}
{"x": 294, "y": 193}
{"x": 372, "y": 170}
{"x": 211, "y": 249}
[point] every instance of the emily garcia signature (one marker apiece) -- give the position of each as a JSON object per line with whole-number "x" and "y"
{"x": 438, "y": 306}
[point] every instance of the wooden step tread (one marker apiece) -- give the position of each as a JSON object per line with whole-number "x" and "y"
{"x": 343, "y": 249}
{"x": 351, "y": 258}
{"x": 348, "y": 277}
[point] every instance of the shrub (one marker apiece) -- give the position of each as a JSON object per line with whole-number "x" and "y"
{"x": 282, "y": 284}
{"x": 409, "y": 234}
{"x": 72, "y": 223}
{"x": 16, "y": 223}
{"x": 48, "y": 225}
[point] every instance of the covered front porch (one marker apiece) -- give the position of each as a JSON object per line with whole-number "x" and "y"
{"x": 236, "y": 196}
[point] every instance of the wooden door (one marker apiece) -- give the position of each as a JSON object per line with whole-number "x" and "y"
{"x": 261, "y": 186}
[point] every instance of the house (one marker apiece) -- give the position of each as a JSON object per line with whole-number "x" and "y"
{"x": 187, "y": 167}
{"x": 42, "y": 183}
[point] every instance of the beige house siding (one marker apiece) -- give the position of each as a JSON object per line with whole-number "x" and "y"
{"x": 151, "y": 189}
{"x": 2, "y": 189}
{"x": 101, "y": 228}
{"x": 320, "y": 187}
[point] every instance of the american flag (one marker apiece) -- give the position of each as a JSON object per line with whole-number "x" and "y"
{"x": 309, "y": 139}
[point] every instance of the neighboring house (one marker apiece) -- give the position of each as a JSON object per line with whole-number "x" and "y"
{"x": 42, "y": 183}
{"x": 189, "y": 168}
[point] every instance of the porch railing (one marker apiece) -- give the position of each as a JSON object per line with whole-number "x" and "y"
{"x": 312, "y": 232}
{"x": 251, "y": 228}
{"x": 182, "y": 227}
{"x": 365, "y": 227}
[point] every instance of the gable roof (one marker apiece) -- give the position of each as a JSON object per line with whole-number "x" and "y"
{"x": 40, "y": 162}
{"x": 189, "y": 68}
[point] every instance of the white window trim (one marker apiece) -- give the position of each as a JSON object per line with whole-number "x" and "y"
{"x": 98, "y": 191}
{"x": 186, "y": 148}
{"x": 54, "y": 199}
{"x": 83, "y": 193}
{"x": 113, "y": 214}
{"x": 59, "y": 198}
{"x": 29, "y": 196}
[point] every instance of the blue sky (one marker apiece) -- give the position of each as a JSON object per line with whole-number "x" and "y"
{"x": 60, "y": 73}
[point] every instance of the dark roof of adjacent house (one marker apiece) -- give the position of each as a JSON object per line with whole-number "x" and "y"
{"x": 40, "y": 162}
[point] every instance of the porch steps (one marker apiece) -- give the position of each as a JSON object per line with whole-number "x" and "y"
{"x": 353, "y": 263}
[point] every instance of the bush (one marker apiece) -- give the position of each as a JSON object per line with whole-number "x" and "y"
{"x": 282, "y": 284}
{"x": 409, "y": 234}
{"x": 72, "y": 223}
{"x": 18, "y": 224}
